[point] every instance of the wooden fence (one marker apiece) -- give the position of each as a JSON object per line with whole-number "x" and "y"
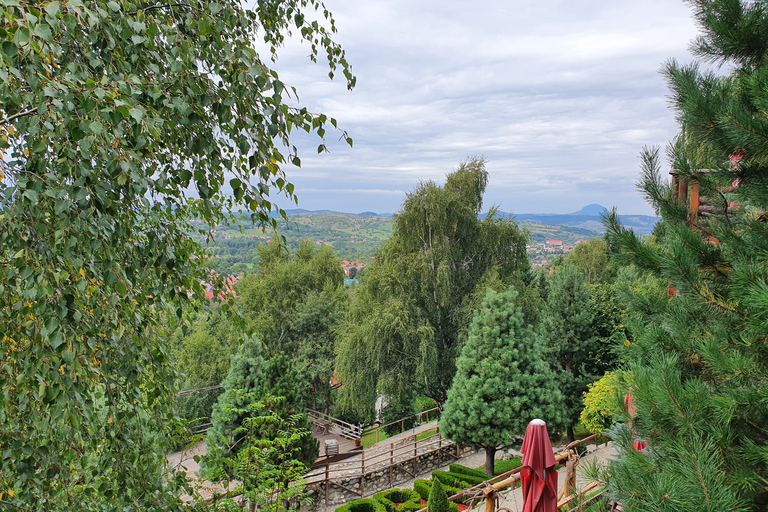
{"x": 419, "y": 419}
{"x": 402, "y": 454}
{"x": 488, "y": 491}
{"x": 334, "y": 425}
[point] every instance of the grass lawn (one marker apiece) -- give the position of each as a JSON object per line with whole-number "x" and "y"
{"x": 369, "y": 438}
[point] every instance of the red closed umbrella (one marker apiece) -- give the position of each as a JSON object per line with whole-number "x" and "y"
{"x": 538, "y": 476}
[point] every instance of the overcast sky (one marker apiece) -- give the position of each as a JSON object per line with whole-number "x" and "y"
{"x": 559, "y": 95}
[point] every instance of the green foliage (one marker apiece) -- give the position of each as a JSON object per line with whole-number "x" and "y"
{"x": 363, "y": 505}
{"x": 454, "y": 480}
{"x": 250, "y": 380}
{"x": 699, "y": 360}
{"x": 408, "y": 499}
{"x": 464, "y": 470}
{"x": 424, "y": 487}
{"x": 424, "y": 403}
{"x": 568, "y": 332}
{"x": 401, "y": 408}
{"x": 502, "y": 466}
{"x": 352, "y": 237}
{"x": 202, "y": 359}
{"x": 268, "y": 467}
{"x": 119, "y": 122}
{"x": 591, "y": 259}
{"x": 602, "y": 403}
{"x": 296, "y": 303}
{"x": 502, "y": 381}
{"x": 438, "y": 501}
{"x": 404, "y": 329}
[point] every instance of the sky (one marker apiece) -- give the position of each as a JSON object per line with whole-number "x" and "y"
{"x": 559, "y": 96}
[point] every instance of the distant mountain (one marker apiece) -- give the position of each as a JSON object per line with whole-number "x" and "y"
{"x": 587, "y": 218}
{"x": 299, "y": 211}
{"x": 591, "y": 210}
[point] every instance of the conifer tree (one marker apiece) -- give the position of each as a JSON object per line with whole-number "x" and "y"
{"x": 250, "y": 379}
{"x": 438, "y": 501}
{"x": 570, "y": 343}
{"x": 502, "y": 382}
{"x": 700, "y": 358}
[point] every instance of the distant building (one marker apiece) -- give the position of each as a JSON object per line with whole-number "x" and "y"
{"x": 226, "y": 293}
{"x": 555, "y": 244}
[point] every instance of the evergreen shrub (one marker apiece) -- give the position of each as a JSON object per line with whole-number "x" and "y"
{"x": 438, "y": 501}
{"x": 363, "y": 505}
{"x": 408, "y": 498}
{"x": 464, "y": 470}
{"x": 424, "y": 487}
{"x": 460, "y": 480}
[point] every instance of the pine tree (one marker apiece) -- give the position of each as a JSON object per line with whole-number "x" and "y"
{"x": 250, "y": 379}
{"x": 570, "y": 343}
{"x": 700, "y": 358}
{"x": 502, "y": 381}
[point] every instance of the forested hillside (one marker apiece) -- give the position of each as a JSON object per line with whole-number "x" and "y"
{"x": 353, "y": 237}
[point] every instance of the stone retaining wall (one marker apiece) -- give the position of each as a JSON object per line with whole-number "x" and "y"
{"x": 379, "y": 480}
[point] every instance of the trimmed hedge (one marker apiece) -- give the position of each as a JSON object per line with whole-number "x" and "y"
{"x": 464, "y": 470}
{"x": 423, "y": 487}
{"x": 409, "y": 499}
{"x": 363, "y": 505}
{"x": 459, "y": 480}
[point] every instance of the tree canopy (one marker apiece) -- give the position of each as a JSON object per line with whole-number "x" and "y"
{"x": 120, "y": 121}
{"x": 699, "y": 361}
{"x": 410, "y": 313}
{"x": 502, "y": 381}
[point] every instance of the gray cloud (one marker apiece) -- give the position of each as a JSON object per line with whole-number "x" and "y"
{"x": 560, "y": 96}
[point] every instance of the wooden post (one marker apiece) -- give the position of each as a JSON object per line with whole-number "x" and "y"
{"x": 693, "y": 209}
{"x": 415, "y": 455}
{"x": 490, "y": 499}
{"x": 682, "y": 191}
{"x": 391, "y": 462}
{"x": 439, "y": 448}
{"x": 327, "y": 483}
{"x": 377, "y": 433}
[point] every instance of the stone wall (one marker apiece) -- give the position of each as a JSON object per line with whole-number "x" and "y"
{"x": 346, "y": 489}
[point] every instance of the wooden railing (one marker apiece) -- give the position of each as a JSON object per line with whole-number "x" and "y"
{"x": 421, "y": 418}
{"x": 488, "y": 490}
{"x": 402, "y": 454}
{"x": 334, "y": 425}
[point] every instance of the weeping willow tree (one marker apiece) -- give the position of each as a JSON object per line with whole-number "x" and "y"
{"x": 413, "y": 308}
{"x": 700, "y": 357}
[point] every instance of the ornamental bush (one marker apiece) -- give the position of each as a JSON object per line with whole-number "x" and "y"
{"x": 601, "y": 403}
{"x": 363, "y": 505}
{"x": 424, "y": 487}
{"x": 408, "y": 498}
{"x": 438, "y": 501}
{"x": 464, "y": 470}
